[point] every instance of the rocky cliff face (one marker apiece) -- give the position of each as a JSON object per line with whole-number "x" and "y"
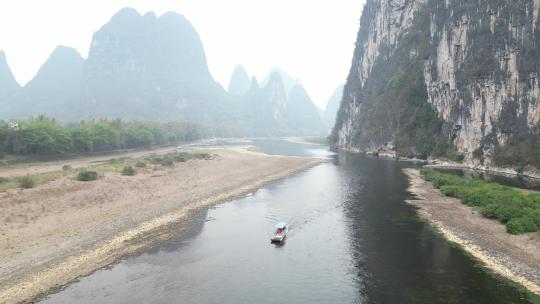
{"x": 453, "y": 78}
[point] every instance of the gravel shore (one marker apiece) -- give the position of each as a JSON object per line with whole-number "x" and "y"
{"x": 516, "y": 257}
{"x": 64, "y": 229}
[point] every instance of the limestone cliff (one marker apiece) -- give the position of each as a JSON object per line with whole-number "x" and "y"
{"x": 454, "y": 78}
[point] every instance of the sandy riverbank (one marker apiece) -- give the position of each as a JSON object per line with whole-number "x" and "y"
{"x": 64, "y": 229}
{"x": 512, "y": 256}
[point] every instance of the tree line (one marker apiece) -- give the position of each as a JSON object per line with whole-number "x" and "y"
{"x": 44, "y": 135}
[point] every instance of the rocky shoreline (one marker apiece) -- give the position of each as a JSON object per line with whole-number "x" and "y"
{"x": 445, "y": 164}
{"x": 516, "y": 257}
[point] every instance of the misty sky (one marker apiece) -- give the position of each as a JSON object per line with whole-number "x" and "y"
{"x": 311, "y": 40}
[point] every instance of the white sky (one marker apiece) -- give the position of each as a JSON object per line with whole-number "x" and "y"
{"x": 312, "y": 40}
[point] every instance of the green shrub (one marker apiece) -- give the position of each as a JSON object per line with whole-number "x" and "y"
{"x": 86, "y": 176}
{"x": 521, "y": 225}
{"x": 519, "y": 211}
{"x": 128, "y": 171}
{"x": 167, "y": 162}
{"x": 450, "y": 190}
{"x": 140, "y": 164}
{"x": 205, "y": 156}
{"x": 66, "y": 168}
{"x": 478, "y": 153}
{"x": 3, "y": 180}
{"x": 180, "y": 158}
{"x": 27, "y": 182}
{"x": 156, "y": 160}
{"x": 44, "y": 135}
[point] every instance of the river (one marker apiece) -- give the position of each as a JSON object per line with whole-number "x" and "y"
{"x": 352, "y": 239}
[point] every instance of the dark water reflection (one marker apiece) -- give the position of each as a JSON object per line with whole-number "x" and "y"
{"x": 352, "y": 240}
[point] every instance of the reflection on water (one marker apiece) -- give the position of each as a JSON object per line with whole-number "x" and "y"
{"x": 352, "y": 239}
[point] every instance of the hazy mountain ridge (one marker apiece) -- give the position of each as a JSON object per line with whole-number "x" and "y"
{"x": 240, "y": 82}
{"x": 55, "y": 88}
{"x": 332, "y": 107}
{"x": 152, "y": 67}
{"x": 271, "y": 110}
{"x": 144, "y": 67}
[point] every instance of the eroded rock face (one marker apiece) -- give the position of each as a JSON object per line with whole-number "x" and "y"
{"x": 479, "y": 65}
{"x": 381, "y": 24}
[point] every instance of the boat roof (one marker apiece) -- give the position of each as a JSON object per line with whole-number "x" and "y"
{"x": 281, "y": 225}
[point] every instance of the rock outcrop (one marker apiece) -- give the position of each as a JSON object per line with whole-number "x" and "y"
{"x": 462, "y": 73}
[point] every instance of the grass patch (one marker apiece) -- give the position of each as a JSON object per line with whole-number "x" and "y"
{"x": 317, "y": 140}
{"x": 86, "y": 176}
{"x": 167, "y": 162}
{"x": 520, "y": 212}
{"x": 27, "y": 182}
{"x": 128, "y": 171}
{"x": 140, "y": 164}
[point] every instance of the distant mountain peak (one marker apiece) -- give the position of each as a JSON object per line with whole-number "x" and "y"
{"x": 64, "y": 67}
{"x": 62, "y": 50}
{"x": 240, "y": 82}
{"x": 274, "y": 78}
{"x": 288, "y": 81}
{"x": 150, "y": 15}
{"x": 254, "y": 84}
{"x": 173, "y": 16}
{"x": 126, "y": 13}
{"x": 8, "y": 84}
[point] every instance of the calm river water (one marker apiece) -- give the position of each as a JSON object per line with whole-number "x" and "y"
{"x": 352, "y": 239}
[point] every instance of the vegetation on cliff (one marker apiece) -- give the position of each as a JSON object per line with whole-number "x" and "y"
{"x": 523, "y": 153}
{"x": 519, "y": 211}
{"x": 394, "y": 100}
{"x": 453, "y": 80}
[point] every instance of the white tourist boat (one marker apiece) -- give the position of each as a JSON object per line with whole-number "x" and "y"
{"x": 280, "y": 234}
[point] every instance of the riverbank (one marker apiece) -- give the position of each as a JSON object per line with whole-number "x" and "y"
{"x": 516, "y": 257}
{"x": 310, "y": 140}
{"x": 64, "y": 229}
{"x": 446, "y": 164}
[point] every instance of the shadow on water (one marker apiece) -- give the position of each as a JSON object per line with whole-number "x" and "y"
{"x": 352, "y": 239}
{"x": 402, "y": 259}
